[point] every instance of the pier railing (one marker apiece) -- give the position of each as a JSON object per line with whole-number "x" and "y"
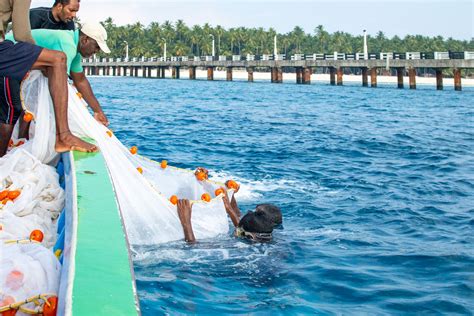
{"x": 301, "y": 64}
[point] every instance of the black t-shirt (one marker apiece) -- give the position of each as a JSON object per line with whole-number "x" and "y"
{"x": 42, "y": 18}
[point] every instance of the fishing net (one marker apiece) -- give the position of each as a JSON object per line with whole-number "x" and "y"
{"x": 142, "y": 187}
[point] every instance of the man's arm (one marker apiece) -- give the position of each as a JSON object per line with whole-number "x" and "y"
{"x": 21, "y": 21}
{"x": 84, "y": 87}
{"x": 184, "y": 213}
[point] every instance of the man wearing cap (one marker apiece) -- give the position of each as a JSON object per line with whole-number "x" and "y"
{"x": 255, "y": 225}
{"x": 85, "y": 42}
{"x": 16, "y": 59}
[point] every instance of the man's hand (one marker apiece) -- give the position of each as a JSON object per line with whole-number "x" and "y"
{"x": 101, "y": 118}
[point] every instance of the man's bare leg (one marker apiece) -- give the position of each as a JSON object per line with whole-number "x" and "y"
{"x": 184, "y": 213}
{"x": 55, "y": 64}
{"x": 5, "y": 135}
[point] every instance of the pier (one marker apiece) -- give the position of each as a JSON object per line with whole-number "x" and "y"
{"x": 303, "y": 65}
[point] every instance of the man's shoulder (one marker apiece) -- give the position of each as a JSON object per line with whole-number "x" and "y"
{"x": 42, "y": 11}
{"x": 58, "y": 35}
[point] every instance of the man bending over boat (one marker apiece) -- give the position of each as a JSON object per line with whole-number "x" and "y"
{"x": 255, "y": 225}
{"x": 15, "y": 62}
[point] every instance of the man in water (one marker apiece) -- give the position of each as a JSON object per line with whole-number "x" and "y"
{"x": 257, "y": 225}
{"x": 15, "y": 62}
{"x": 60, "y": 17}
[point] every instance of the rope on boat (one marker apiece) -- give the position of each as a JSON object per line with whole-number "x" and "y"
{"x": 49, "y": 301}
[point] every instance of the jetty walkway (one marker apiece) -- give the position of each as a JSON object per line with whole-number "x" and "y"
{"x": 302, "y": 65}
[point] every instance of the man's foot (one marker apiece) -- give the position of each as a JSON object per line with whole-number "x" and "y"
{"x": 67, "y": 141}
{"x": 184, "y": 213}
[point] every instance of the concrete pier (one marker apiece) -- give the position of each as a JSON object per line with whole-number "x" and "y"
{"x": 365, "y": 77}
{"x": 400, "y": 72}
{"x": 299, "y": 75}
{"x": 439, "y": 79}
{"x": 250, "y": 74}
{"x": 192, "y": 73}
{"x": 332, "y": 76}
{"x": 412, "y": 78}
{"x": 306, "y": 76}
{"x": 373, "y": 77}
{"x": 340, "y": 72}
{"x": 210, "y": 73}
{"x": 457, "y": 79}
{"x": 229, "y": 74}
{"x": 175, "y": 72}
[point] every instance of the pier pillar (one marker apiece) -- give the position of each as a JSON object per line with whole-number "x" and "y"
{"x": 272, "y": 74}
{"x": 332, "y": 76}
{"x": 439, "y": 79}
{"x": 136, "y": 71}
{"x": 210, "y": 73}
{"x": 143, "y": 71}
{"x": 457, "y": 79}
{"x": 229, "y": 73}
{"x": 173, "y": 72}
{"x": 107, "y": 71}
{"x": 280, "y": 75}
{"x": 365, "y": 77}
{"x": 373, "y": 77}
{"x": 250, "y": 74}
{"x": 114, "y": 71}
{"x": 163, "y": 72}
{"x": 299, "y": 75}
{"x": 400, "y": 72}
{"x": 412, "y": 77}
{"x": 149, "y": 72}
{"x": 339, "y": 76}
{"x": 192, "y": 73}
{"x": 119, "y": 70}
{"x": 306, "y": 75}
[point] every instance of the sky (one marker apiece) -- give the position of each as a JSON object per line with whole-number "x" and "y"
{"x": 448, "y": 18}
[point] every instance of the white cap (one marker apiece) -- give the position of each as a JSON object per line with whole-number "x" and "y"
{"x": 97, "y": 32}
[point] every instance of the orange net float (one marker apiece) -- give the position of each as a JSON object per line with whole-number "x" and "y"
{"x": 164, "y": 164}
{"x": 28, "y": 117}
{"x": 4, "y": 194}
{"x": 206, "y": 197}
{"x": 231, "y": 184}
{"x": 10, "y": 143}
{"x": 19, "y": 143}
{"x": 219, "y": 191}
{"x": 133, "y": 150}
{"x": 12, "y": 195}
{"x": 139, "y": 169}
{"x": 8, "y": 300}
{"x": 50, "y": 306}
{"x": 201, "y": 176}
{"x": 109, "y": 132}
{"x": 174, "y": 199}
{"x": 37, "y": 235}
{"x": 79, "y": 95}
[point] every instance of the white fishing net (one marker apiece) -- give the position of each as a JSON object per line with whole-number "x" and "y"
{"x": 143, "y": 199}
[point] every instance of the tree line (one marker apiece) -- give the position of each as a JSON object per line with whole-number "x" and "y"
{"x": 183, "y": 40}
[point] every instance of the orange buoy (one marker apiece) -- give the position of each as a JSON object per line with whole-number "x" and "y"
{"x": 219, "y": 191}
{"x": 3, "y": 194}
{"x": 37, "y": 235}
{"x": 133, "y": 150}
{"x": 10, "y": 143}
{"x": 50, "y": 306}
{"x": 174, "y": 199}
{"x": 79, "y": 95}
{"x": 201, "y": 175}
{"x": 19, "y": 143}
{"x": 28, "y": 117}
{"x": 231, "y": 184}
{"x": 206, "y": 197}
{"x": 5, "y": 201}
{"x": 164, "y": 164}
{"x": 109, "y": 132}
{"x": 12, "y": 195}
{"x": 140, "y": 169}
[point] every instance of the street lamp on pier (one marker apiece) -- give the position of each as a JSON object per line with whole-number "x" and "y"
{"x": 164, "y": 49}
{"x": 213, "y": 46}
{"x": 126, "y": 50}
{"x": 366, "y": 54}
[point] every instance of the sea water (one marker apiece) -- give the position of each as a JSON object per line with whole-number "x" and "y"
{"x": 376, "y": 188}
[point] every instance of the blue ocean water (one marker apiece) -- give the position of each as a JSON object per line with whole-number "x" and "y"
{"x": 376, "y": 188}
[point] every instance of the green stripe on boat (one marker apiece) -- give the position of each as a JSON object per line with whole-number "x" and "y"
{"x": 104, "y": 282}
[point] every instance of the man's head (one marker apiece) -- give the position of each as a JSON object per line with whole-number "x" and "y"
{"x": 92, "y": 39}
{"x": 65, "y": 10}
{"x": 258, "y": 225}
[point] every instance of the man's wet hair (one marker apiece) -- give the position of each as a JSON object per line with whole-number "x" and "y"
{"x": 272, "y": 212}
{"x": 256, "y": 222}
